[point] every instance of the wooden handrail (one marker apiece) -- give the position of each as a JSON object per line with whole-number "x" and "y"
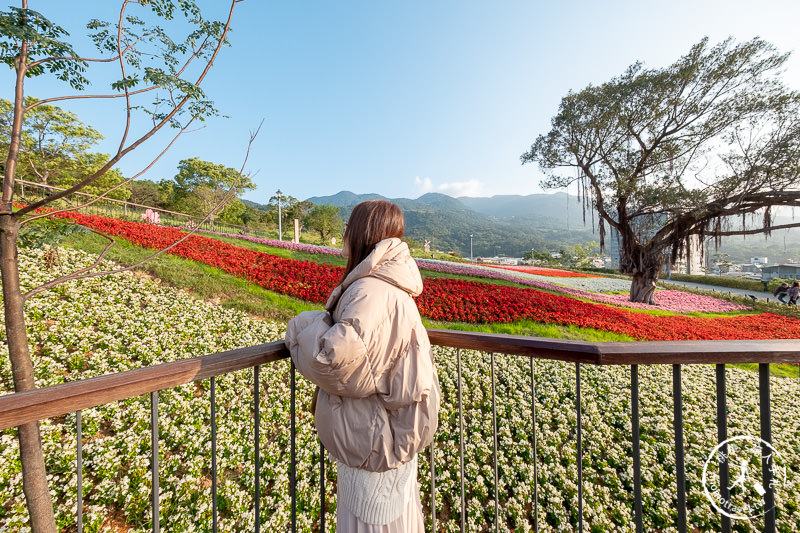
{"x": 624, "y": 353}
{"x": 31, "y": 406}
{"x": 47, "y": 402}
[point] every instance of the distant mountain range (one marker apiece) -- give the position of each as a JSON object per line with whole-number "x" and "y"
{"x": 512, "y": 224}
{"x": 501, "y": 225}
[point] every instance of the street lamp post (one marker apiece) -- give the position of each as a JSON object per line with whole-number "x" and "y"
{"x": 470, "y": 247}
{"x": 280, "y": 228}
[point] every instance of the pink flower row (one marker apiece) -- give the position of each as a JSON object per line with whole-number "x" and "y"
{"x": 671, "y": 300}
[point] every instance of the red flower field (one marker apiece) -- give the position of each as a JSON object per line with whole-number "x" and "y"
{"x": 448, "y": 299}
{"x": 469, "y": 301}
{"x": 305, "y": 280}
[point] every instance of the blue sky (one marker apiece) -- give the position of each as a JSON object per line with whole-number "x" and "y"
{"x": 405, "y": 98}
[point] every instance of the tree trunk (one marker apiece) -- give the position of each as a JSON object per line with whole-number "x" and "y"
{"x": 34, "y": 475}
{"x": 643, "y": 287}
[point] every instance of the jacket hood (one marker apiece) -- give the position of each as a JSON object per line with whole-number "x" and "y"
{"x": 389, "y": 261}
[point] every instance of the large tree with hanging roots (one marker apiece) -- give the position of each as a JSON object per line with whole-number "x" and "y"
{"x": 706, "y": 147}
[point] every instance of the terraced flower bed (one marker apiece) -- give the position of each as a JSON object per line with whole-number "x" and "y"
{"x": 464, "y": 301}
{"x": 592, "y": 289}
{"x": 448, "y": 299}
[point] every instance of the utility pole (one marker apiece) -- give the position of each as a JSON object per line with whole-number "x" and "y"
{"x": 280, "y": 228}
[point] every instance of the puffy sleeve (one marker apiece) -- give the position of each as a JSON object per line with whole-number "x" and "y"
{"x": 330, "y": 355}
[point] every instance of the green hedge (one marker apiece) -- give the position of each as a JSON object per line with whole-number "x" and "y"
{"x": 775, "y": 282}
{"x": 721, "y": 281}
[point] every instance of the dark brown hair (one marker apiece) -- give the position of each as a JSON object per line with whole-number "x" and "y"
{"x": 370, "y": 222}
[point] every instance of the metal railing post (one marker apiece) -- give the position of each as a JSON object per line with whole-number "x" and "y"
{"x": 637, "y": 456}
{"x": 766, "y": 452}
{"x": 433, "y": 486}
{"x": 213, "y": 400}
{"x": 257, "y": 443}
{"x": 461, "y": 445}
{"x": 722, "y": 436}
{"x": 580, "y": 444}
{"x": 321, "y": 487}
{"x": 494, "y": 453}
{"x": 680, "y": 465}
{"x": 293, "y": 429}
{"x": 79, "y": 466}
{"x": 154, "y": 460}
{"x": 535, "y": 451}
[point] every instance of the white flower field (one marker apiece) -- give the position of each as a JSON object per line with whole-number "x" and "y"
{"x": 103, "y": 325}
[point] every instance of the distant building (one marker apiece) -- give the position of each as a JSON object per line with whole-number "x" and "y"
{"x": 784, "y": 271}
{"x": 759, "y": 260}
{"x": 754, "y": 268}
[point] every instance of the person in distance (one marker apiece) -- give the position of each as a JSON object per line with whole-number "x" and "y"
{"x": 794, "y": 293}
{"x": 378, "y": 394}
{"x": 782, "y": 292}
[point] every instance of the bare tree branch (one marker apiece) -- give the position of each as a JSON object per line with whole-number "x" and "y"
{"x": 756, "y": 231}
{"x": 121, "y": 153}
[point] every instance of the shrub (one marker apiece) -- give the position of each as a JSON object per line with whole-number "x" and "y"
{"x": 721, "y": 281}
{"x": 774, "y": 283}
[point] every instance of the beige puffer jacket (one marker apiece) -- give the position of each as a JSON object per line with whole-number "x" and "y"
{"x": 379, "y": 392}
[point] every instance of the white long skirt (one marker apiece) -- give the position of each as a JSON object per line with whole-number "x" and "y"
{"x": 409, "y": 521}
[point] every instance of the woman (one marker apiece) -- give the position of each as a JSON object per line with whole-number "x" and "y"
{"x": 378, "y": 392}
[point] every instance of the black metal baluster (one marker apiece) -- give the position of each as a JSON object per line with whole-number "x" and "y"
{"x": 680, "y": 465}
{"x": 580, "y": 444}
{"x": 494, "y": 453}
{"x": 722, "y": 436}
{"x": 433, "y": 484}
{"x": 637, "y": 454}
{"x": 213, "y": 399}
{"x": 535, "y": 453}
{"x": 292, "y": 466}
{"x": 433, "y": 488}
{"x": 154, "y": 459}
{"x": 461, "y": 445}
{"x": 257, "y": 439}
{"x": 79, "y": 466}
{"x": 766, "y": 452}
{"x": 321, "y": 487}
